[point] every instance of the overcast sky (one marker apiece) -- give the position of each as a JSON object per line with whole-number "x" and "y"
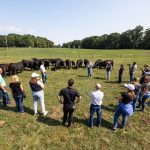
{"x": 67, "y": 20}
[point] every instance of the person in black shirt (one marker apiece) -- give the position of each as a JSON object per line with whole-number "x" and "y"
{"x": 17, "y": 92}
{"x": 121, "y": 70}
{"x": 67, "y": 97}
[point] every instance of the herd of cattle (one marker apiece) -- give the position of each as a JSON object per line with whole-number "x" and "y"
{"x": 34, "y": 64}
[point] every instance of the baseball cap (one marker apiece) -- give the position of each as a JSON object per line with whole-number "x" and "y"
{"x": 98, "y": 85}
{"x": 34, "y": 74}
{"x": 130, "y": 86}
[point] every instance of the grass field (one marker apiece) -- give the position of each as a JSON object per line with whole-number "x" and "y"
{"x": 24, "y": 131}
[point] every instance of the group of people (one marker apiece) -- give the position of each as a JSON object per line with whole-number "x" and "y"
{"x": 108, "y": 69}
{"x": 136, "y": 92}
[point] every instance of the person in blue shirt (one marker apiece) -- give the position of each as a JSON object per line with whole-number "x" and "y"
{"x": 125, "y": 107}
{"x": 3, "y": 91}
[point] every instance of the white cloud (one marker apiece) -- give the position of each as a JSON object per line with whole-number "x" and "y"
{"x": 14, "y": 29}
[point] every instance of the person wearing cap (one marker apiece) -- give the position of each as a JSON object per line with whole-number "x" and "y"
{"x": 67, "y": 96}
{"x": 43, "y": 72}
{"x": 17, "y": 92}
{"x": 3, "y": 90}
{"x": 108, "y": 70}
{"x": 37, "y": 87}
{"x": 125, "y": 107}
{"x": 89, "y": 66}
{"x": 96, "y": 102}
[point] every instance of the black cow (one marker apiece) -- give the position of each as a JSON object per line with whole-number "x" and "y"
{"x": 79, "y": 63}
{"x": 105, "y": 62}
{"x": 15, "y": 68}
{"x": 5, "y": 68}
{"x": 98, "y": 64}
{"x": 86, "y": 62}
{"x": 68, "y": 64}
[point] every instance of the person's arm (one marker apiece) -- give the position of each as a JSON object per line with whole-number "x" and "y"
{"x": 21, "y": 87}
{"x": 78, "y": 99}
{"x": 4, "y": 90}
{"x": 39, "y": 82}
{"x": 60, "y": 99}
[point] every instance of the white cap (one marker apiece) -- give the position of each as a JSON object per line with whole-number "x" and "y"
{"x": 98, "y": 85}
{"x": 130, "y": 86}
{"x": 34, "y": 74}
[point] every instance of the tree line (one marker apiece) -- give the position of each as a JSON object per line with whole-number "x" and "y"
{"x": 135, "y": 38}
{"x": 16, "y": 40}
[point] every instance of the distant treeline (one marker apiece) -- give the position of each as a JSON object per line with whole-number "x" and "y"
{"x": 136, "y": 38}
{"x": 16, "y": 40}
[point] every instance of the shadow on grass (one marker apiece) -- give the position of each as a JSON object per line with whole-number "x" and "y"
{"x": 101, "y": 78}
{"x": 28, "y": 110}
{"x": 48, "y": 121}
{"x": 110, "y": 108}
{"x": 14, "y": 109}
{"x": 104, "y": 123}
{"x": 7, "y": 108}
{"x": 82, "y": 121}
{"x": 81, "y": 76}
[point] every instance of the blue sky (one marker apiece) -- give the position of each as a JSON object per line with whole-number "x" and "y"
{"x": 67, "y": 20}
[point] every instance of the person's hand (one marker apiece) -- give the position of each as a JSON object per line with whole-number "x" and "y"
{"x": 5, "y": 90}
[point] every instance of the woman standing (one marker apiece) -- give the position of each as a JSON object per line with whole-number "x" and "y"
{"x": 17, "y": 92}
{"x": 37, "y": 87}
{"x": 125, "y": 107}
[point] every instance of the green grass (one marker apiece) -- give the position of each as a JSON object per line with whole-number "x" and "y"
{"x": 24, "y": 131}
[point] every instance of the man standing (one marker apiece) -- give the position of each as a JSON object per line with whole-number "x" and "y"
{"x": 3, "y": 91}
{"x": 67, "y": 97}
{"x": 108, "y": 70}
{"x": 89, "y": 66}
{"x": 96, "y": 102}
{"x": 43, "y": 72}
{"x": 132, "y": 70}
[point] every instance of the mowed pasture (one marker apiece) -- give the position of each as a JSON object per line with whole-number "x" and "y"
{"x": 24, "y": 131}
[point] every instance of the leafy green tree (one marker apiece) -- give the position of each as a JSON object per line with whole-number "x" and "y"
{"x": 146, "y": 39}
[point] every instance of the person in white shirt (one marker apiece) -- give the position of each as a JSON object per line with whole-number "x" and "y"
{"x": 43, "y": 72}
{"x": 96, "y": 102}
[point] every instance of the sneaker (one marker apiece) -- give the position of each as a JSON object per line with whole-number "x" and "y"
{"x": 45, "y": 113}
{"x": 113, "y": 129}
{"x": 35, "y": 114}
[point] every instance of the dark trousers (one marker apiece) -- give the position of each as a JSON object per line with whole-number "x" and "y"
{"x": 44, "y": 77}
{"x": 68, "y": 113}
{"x": 120, "y": 78}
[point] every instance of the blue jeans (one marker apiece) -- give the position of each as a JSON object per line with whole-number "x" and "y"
{"x": 131, "y": 77}
{"x": 89, "y": 72}
{"x": 135, "y": 101}
{"x": 119, "y": 112}
{"x": 144, "y": 98}
{"x": 108, "y": 75}
{"x": 19, "y": 102}
{"x": 44, "y": 77}
{"x": 5, "y": 97}
{"x": 93, "y": 109}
